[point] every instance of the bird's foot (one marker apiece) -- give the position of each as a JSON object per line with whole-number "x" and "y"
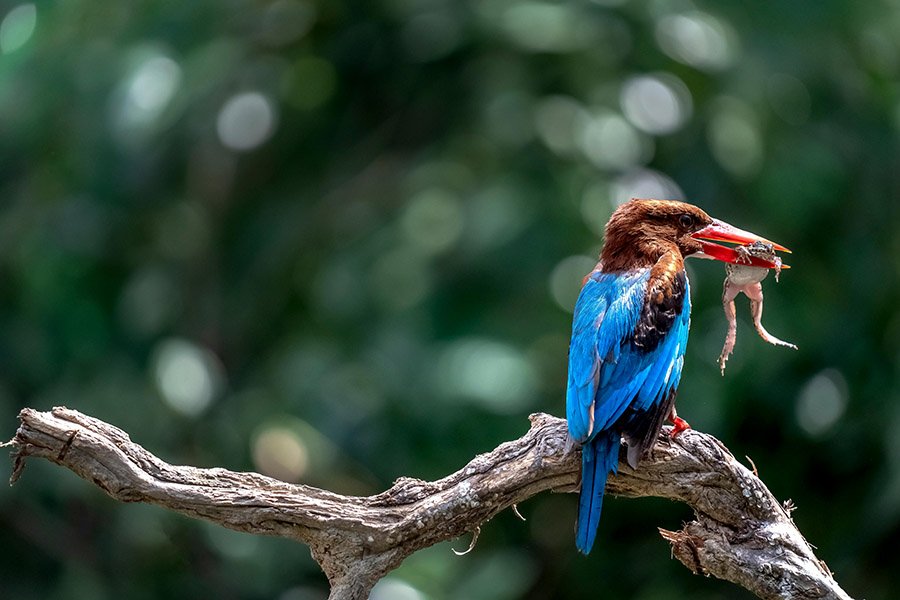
{"x": 679, "y": 425}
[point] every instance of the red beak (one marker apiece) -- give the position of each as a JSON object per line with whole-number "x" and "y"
{"x": 723, "y": 232}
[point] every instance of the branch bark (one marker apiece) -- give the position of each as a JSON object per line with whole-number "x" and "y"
{"x": 741, "y": 532}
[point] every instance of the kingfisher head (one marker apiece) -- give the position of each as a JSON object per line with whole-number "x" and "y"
{"x": 640, "y": 231}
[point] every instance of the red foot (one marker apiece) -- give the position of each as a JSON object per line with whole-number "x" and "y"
{"x": 679, "y": 426}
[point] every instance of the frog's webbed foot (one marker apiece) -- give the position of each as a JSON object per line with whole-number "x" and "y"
{"x": 755, "y": 294}
{"x": 756, "y": 310}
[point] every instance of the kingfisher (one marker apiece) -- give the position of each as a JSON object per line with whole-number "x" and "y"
{"x": 629, "y": 335}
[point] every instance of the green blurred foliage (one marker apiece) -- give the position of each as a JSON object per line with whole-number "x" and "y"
{"x": 338, "y": 242}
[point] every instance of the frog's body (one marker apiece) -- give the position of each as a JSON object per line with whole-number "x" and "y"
{"x": 747, "y": 279}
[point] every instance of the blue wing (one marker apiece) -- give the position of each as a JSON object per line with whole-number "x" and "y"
{"x": 607, "y": 373}
{"x": 610, "y": 376}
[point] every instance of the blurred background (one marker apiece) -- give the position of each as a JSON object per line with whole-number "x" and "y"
{"x": 339, "y": 242}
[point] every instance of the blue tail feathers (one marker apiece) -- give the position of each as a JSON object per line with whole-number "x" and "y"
{"x": 599, "y": 458}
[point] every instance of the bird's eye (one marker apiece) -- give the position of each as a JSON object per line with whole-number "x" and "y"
{"x": 686, "y": 221}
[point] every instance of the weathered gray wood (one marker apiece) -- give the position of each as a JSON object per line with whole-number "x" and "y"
{"x": 741, "y": 533}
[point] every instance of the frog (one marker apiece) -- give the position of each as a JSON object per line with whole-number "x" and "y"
{"x": 747, "y": 278}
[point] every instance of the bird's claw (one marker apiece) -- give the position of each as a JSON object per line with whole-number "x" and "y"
{"x": 679, "y": 425}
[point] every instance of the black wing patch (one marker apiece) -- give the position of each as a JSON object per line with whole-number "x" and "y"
{"x": 657, "y": 318}
{"x": 640, "y": 429}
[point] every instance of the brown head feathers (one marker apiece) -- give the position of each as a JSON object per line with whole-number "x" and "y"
{"x": 640, "y": 232}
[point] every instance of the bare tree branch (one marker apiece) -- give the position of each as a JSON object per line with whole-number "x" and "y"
{"x": 741, "y": 533}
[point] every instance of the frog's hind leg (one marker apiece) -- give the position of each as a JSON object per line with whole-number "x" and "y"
{"x": 754, "y": 292}
{"x": 728, "y": 295}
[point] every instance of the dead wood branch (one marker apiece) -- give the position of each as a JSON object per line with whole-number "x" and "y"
{"x": 741, "y": 533}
